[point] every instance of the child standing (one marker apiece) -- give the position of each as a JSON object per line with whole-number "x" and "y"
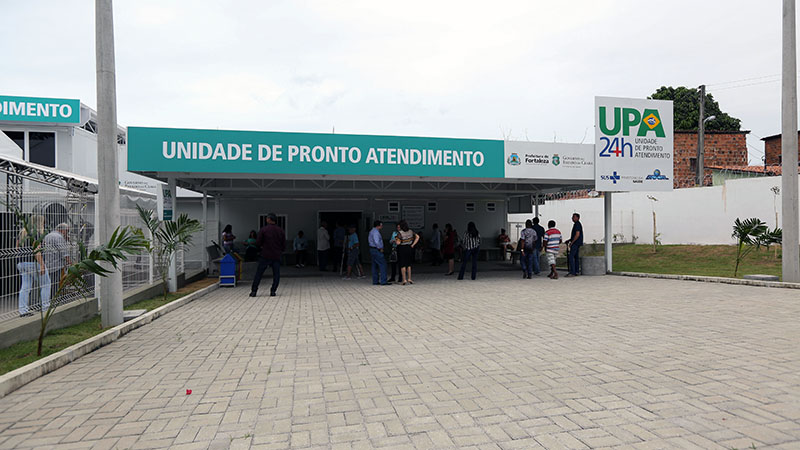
{"x": 552, "y": 240}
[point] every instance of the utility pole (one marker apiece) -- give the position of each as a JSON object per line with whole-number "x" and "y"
{"x": 791, "y": 219}
{"x": 701, "y": 137}
{"x": 107, "y": 170}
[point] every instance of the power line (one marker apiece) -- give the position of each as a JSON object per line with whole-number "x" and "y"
{"x": 745, "y": 85}
{"x": 743, "y": 79}
{"x": 755, "y": 148}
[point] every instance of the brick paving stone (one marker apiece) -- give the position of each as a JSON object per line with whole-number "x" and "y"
{"x": 587, "y": 362}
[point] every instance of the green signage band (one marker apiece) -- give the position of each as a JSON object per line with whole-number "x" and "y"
{"x": 36, "y": 109}
{"x": 215, "y": 151}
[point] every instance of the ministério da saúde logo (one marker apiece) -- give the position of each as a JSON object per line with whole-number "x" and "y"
{"x": 656, "y": 175}
{"x": 513, "y": 159}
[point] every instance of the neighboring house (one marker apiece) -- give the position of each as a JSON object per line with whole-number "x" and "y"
{"x": 722, "y": 149}
{"x": 772, "y": 149}
{"x": 720, "y": 174}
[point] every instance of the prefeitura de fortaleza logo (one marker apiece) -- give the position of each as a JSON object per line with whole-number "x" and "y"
{"x": 513, "y": 159}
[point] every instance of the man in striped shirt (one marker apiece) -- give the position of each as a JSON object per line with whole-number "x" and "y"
{"x": 552, "y": 241}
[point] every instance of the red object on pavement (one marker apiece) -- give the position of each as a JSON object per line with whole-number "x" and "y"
{"x": 188, "y": 391}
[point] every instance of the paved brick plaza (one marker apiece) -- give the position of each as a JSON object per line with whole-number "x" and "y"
{"x": 496, "y": 363}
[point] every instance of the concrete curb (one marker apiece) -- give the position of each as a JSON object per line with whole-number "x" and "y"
{"x": 722, "y": 280}
{"x": 17, "y": 378}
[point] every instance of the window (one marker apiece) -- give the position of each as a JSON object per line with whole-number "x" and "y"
{"x": 42, "y": 148}
{"x": 18, "y": 137}
{"x": 491, "y": 207}
{"x": 282, "y": 220}
{"x": 394, "y": 207}
{"x": 469, "y": 207}
{"x": 432, "y": 206}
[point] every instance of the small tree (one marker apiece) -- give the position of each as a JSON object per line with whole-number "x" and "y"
{"x": 776, "y": 191}
{"x": 656, "y": 234}
{"x": 72, "y": 278}
{"x": 167, "y": 237}
{"x": 751, "y": 234}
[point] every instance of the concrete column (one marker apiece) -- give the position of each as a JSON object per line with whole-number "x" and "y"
{"x": 609, "y": 233}
{"x": 789, "y": 189}
{"x": 107, "y": 168}
{"x": 217, "y": 207}
{"x": 172, "y": 282}
{"x": 205, "y": 231}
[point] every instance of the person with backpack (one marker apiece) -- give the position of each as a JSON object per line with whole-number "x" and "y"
{"x": 527, "y": 246}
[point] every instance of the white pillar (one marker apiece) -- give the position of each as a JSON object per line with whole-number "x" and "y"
{"x": 609, "y": 233}
{"x": 791, "y": 219}
{"x": 205, "y": 231}
{"x": 172, "y": 281}
{"x": 107, "y": 168}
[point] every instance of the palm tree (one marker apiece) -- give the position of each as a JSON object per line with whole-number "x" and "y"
{"x": 751, "y": 234}
{"x": 167, "y": 237}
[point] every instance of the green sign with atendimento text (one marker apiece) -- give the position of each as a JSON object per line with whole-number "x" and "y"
{"x": 37, "y": 109}
{"x": 215, "y": 151}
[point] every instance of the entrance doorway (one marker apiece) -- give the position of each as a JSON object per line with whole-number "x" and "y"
{"x": 346, "y": 219}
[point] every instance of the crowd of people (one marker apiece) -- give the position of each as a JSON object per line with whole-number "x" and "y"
{"x": 342, "y": 250}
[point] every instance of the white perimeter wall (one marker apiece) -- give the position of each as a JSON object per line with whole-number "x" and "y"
{"x": 684, "y": 216}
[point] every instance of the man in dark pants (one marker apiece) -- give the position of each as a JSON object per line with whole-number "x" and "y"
{"x": 575, "y": 241}
{"x": 272, "y": 241}
{"x": 376, "y": 252}
{"x": 538, "y": 245}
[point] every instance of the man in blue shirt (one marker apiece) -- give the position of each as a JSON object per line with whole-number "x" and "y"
{"x": 376, "y": 252}
{"x": 575, "y": 241}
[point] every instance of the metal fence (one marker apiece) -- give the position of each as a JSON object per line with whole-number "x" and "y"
{"x": 64, "y": 208}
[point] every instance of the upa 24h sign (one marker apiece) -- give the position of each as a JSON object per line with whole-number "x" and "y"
{"x": 633, "y": 144}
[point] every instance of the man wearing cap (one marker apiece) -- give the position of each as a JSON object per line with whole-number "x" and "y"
{"x": 272, "y": 241}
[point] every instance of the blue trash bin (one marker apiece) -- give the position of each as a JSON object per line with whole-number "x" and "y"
{"x": 227, "y": 271}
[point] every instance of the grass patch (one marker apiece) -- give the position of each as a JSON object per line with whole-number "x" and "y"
{"x": 23, "y": 353}
{"x": 703, "y": 260}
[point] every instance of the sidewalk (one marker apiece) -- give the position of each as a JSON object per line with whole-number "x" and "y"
{"x": 500, "y": 362}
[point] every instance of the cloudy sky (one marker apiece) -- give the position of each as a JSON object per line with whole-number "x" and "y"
{"x": 472, "y": 69}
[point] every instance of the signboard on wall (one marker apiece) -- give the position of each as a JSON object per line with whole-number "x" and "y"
{"x": 415, "y": 216}
{"x": 549, "y": 160}
{"x": 633, "y": 144}
{"x": 40, "y": 110}
{"x": 166, "y": 195}
{"x": 256, "y": 152}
